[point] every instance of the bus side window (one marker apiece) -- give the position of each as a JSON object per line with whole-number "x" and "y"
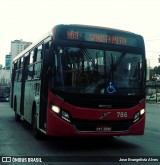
{"x": 15, "y": 71}
{"x": 19, "y": 70}
{"x": 30, "y": 66}
{"x": 38, "y": 62}
{"x": 21, "y": 64}
{"x": 26, "y": 63}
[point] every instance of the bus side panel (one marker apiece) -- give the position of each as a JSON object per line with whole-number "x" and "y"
{"x": 31, "y": 96}
{"x": 27, "y": 104}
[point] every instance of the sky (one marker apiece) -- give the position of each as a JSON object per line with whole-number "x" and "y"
{"x": 31, "y": 19}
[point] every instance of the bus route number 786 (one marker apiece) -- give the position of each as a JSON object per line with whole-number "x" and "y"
{"x": 122, "y": 114}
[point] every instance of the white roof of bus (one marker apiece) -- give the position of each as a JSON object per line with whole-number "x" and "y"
{"x": 33, "y": 45}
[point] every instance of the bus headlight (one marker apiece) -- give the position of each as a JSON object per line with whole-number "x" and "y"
{"x": 55, "y": 109}
{"x": 142, "y": 111}
{"x": 61, "y": 113}
{"x": 138, "y": 115}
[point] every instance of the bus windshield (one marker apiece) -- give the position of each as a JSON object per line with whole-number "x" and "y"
{"x": 96, "y": 71}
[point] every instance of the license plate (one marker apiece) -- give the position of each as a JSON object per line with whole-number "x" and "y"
{"x": 103, "y": 128}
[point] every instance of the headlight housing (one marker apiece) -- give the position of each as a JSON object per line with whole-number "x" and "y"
{"x": 138, "y": 115}
{"x": 65, "y": 115}
{"x": 62, "y": 113}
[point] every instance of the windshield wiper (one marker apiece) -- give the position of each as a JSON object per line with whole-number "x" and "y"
{"x": 115, "y": 66}
{"x": 89, "y": 57}
{"x": 110, "y": 82}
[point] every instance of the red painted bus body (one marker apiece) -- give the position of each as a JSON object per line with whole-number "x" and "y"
{"x": 82, "y": 81}
{"x": 84, "y": 119}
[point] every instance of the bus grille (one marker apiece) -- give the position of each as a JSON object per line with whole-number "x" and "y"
{"x": 91, "y": 126}
{"x": 98, "y": 103}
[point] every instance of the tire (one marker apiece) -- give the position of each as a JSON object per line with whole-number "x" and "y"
{"x": 17, "y": 117}
{"x": 37, "y": 134}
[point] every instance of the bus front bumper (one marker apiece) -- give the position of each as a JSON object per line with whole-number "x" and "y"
{"x": 56, "y": 126}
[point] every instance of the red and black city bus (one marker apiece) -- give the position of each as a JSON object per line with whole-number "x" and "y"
{"x": 82, "y": 80}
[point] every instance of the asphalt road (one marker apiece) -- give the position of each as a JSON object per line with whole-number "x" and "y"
{"x": 17, "y": 141}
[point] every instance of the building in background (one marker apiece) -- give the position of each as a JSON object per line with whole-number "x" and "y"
{"x": 17, "y": 46}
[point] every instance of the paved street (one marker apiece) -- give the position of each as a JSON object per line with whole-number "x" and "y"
{"x": 16, "y": 139}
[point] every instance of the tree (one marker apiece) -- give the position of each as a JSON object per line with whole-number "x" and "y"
{"x": 156, "y": 70}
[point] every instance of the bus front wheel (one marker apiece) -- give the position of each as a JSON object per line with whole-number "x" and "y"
{"x": 17, "y": 117}
{"x": 37, "y": 134}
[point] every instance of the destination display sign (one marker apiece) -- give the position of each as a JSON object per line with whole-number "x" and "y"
{"x": 107, "y": 36}
{"x": 97, "y": 37}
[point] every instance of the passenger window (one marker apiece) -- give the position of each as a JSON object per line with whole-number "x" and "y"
{"x": 19, "y": 70}
{"x": 16, "y": 70}
{"x": 21, "y": 64}
{"x": 38, "y": 63}
{"x": 31, "y": 57}
{"x": 30, "y": 66}
{"x": 39, "y": 53}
